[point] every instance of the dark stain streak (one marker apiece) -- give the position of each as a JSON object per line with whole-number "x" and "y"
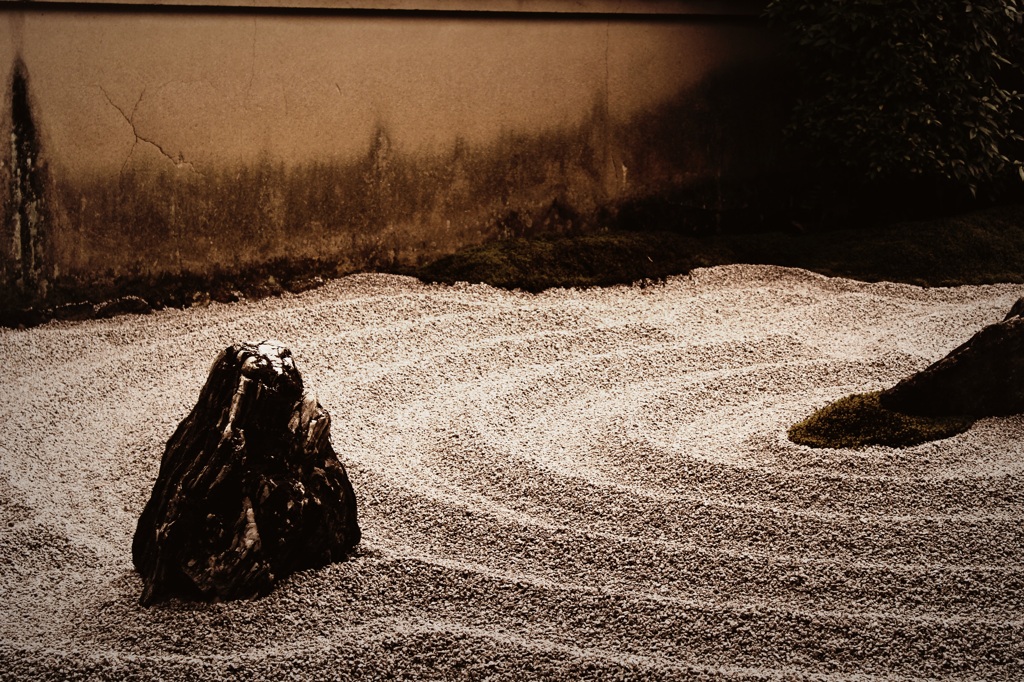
{"x": 27, "y": 188}
{"x": 252, "y": 61}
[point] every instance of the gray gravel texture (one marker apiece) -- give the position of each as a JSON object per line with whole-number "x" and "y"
{"x": 573, "y": 485}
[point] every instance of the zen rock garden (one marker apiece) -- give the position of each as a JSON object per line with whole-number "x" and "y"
{"x": 250, "y": 489}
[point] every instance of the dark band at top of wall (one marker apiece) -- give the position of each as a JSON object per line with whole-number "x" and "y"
{"x": 730, "y": 10}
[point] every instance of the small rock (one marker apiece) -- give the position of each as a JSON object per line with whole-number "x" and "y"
{"x": 122, "y": 306}
{"x": 304, "y": 284}
{"x": 223, "y": 295}
{"x": 74, "y": 311}
{"x": 274, "y": 287}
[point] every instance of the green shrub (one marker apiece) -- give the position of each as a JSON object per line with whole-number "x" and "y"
{"x": 908, "y": 91}
{"x": 860, "y": 420}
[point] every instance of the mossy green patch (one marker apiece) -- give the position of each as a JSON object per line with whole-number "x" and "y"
{"x": 982, "y": 247}
{"x": 860, "y": 420}
{"x": 580, "y": 261}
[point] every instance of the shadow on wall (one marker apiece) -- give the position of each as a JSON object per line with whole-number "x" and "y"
{"x": 694, "y": 163}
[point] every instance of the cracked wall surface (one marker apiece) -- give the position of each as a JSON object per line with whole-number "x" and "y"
{"x": 154, "y": 122}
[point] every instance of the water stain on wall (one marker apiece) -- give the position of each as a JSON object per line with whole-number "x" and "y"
{"x": 27, "y": 224}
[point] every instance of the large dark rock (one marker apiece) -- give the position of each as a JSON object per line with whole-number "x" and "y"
{"x": 1017, "y": 310}
{"x": 249, "y": 488}
{"x": 983, "y": 377}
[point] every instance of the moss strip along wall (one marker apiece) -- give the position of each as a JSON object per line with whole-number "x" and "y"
{"x": 174, "y": 143}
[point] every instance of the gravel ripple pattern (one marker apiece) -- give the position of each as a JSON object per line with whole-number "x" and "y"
{"x": 585, "y": 484}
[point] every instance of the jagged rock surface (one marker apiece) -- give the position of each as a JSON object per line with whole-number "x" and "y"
{"x": 250, "y": 488}
{"x": 1016, "y": 311}
{"x": 983, "y": 377}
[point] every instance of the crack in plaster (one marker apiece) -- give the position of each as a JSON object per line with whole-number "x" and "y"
{"x": 607, "y": 59}
{"x": 252, "y": 62}
{"x": 179, "y": 162}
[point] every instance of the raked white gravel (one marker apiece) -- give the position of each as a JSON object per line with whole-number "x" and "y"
{"x": 577, "y": 484}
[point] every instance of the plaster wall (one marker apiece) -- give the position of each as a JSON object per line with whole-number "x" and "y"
{"x": 190, "y": 141}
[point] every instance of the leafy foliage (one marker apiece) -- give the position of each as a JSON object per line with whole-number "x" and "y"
{"x": 860, "y": 420}
{"x": 915, "y": 90}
